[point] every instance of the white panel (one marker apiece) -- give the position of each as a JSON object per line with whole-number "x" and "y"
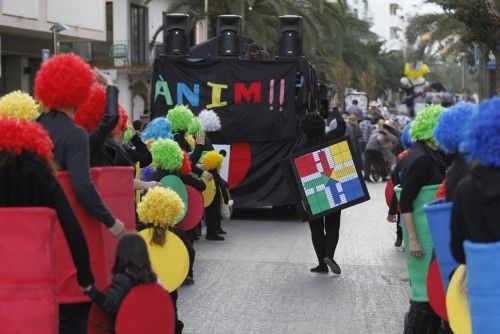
{"x": 22, "y": 8}
{"x": 88, "y": 14}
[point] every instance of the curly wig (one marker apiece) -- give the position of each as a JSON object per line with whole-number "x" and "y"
{"x": 129, "y": 133}
{"x": 313, "y": 125}
{"x": 180, "y": 116}
{"x": 484, "y": 135}
{"x": 159, "y": 127}
{"x": 167, "y": 154}
{"x": 160, "y": 207}
{"x": 90, "y": 113}
{"x": 18, "y": 105}
{"x": 405, "y": 137}
{"x": 212, "y": 160}
{"x": 210, "y": 120}
{"x": 22, "y": 135}
{"x": 425, "y": 122}
{"x": 146, "y": 173}
{"x": 186, "y": 168}
{"x": 122, "y": 121}
{"x": 451, "y": 126}
{"x": 63, "y": 82}
{"x": 195, "y": 126}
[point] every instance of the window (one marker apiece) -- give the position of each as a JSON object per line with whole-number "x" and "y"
{"x": 393, "y": 8}
{"x": 355, "y": 12}
{"x": 394, "y": 32}
{"x": 139, "y": 33}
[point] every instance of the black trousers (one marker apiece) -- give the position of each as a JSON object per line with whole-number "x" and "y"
{"x": 73, "y": 318}
{"x": 213, "y": 217}
{"x": 374, "y": 156}
{"x": 325, "y": 235}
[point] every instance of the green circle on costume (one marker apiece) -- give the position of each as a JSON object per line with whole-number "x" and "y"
{"x": 457, "y": 303}
{"x": 169, "y": 261}
{"x": 175, "y": 183}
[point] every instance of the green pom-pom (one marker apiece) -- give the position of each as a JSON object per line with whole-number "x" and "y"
{"x": 129, "y": 133}
{"x": 195, "y": 126}
{"x": 425, "y": 122}
{"x": 167, "y": 154}
{"x": 180, "y": 117}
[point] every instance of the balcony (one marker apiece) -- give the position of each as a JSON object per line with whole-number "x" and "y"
{"x": 117, "y": 54}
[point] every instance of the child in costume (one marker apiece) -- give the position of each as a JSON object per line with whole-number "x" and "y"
{"x": 27, "y": 180}
{"x": 131, "y": 268}
{"x": 422, "y": 171}
{"x": 212, "y": 162}
{"x": 324, "y": 230}
{"x": 394, "y": 214}
{"x": 159, "y": 210}
{"x": 169, "y": 159}
{"x": 476, "y": 200}
{"x": 62, "y": 84}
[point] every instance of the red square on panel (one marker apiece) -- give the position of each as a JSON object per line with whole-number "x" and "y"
{"x": 305, "y": 165}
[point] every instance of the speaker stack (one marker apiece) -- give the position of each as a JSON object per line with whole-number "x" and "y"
{"x": 176, "y": 34}
{"x": 290, "y": 31}
{"x": 229, "y": 35}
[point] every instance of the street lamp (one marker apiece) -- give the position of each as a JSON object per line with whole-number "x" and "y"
{"x": 57, "y": 28}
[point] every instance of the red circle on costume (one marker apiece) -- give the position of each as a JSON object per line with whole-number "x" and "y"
{"x": 435, "y": 291}
{"x": 239, "y": 163}
{"x": 147, "y": 309}
{"x": 195, "y": 209}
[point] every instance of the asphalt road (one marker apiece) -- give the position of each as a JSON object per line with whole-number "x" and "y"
{"x": 258, "y": 280}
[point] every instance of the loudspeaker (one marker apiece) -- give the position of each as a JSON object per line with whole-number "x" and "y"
{"x": 176, "y": 34}
{"x": 290, "y": 29}
{"x": 228, "y": 31}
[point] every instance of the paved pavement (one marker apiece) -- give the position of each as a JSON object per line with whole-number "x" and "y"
{"x": 258, "y": 280}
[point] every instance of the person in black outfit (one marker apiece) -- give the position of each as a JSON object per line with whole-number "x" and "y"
{"x": 62, "y": 84}
{"x": 476, "y": 201}
{"x": 27, "y": 180}
{"x": 131, "y": 268}
{"x": 424, "y": 165}
{"x": 324, "y": 230}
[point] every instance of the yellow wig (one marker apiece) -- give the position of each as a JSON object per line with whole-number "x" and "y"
{"x": 160, "y": 207}
{"x": 212, "y": 160}
{"x": 18, "y": 105}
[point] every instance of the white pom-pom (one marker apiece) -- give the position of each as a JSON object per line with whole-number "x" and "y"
{"x": 210, "y": 120}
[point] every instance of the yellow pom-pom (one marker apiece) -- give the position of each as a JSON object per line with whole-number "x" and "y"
{"x": 190, "y": 140}
{"x": 160, "y": 207}
{"x": 212, "y": 160}
{"x": 18, "y": 105}
{"x": 414, "y": 74}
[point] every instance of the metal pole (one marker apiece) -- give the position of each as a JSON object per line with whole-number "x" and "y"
{"x": 463, "y": 74}
{"x": 206, "y": 20}
{"x": 54, "y": 39}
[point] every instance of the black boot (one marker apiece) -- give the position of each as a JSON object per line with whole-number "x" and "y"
{"x": 399, "y": 237}
{"x": 421, "y": 319}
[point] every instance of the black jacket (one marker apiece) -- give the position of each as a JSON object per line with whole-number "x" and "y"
{"x": 422, "y": 166}
{"x": 111, "y": 300}
{"x": 476, "y": 210}
{"x": 456, "y": 172}
{"x": 71, "y": 153}
{"x": 98, "y": 137}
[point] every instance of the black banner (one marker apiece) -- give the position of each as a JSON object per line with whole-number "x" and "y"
{"x": 256, "y": 101}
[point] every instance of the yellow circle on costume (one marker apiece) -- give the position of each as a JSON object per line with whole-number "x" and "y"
{"x": 457, "y": 302}
{"x": 209, "y": 192}
{"x": 170, "y": 261}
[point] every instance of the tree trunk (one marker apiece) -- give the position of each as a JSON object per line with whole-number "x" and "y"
{"x": 497, "y": 77}
{"x": 483, "y": 71}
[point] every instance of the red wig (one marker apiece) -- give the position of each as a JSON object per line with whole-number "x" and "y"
{"x": 23, "y": 135}
{"x": 63, "y": 82}
{"x": 90, "y": 113}
{"x": 122, "y": 121}
{"x": 186, "y": 164}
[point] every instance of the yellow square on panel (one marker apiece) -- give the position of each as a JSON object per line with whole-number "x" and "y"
{"x": 335, "y": 149}
{"x": 337, "y": 158}
{"x": 343, "y": 146}
{"x": 346, "y": 155}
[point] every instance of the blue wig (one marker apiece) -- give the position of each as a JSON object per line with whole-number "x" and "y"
{"x": 483, "y": 140}
{"x": 146, "y": 173}
{"x": 405, "y": 137}
{"x": 159, "y": 127}
{"x": 452, "y": 126}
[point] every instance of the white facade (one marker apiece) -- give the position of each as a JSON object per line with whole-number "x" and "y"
{"x": 389, "y": 18}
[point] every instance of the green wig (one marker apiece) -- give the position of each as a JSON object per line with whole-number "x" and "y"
{"x": 195, "y": 126}
{"x": 129, "y": 133}
{"x": 425, "y": 122}
{"x": 180, "y": 117}
{"x": 167, "y": 154}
